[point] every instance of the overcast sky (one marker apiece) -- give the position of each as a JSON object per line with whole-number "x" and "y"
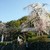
{"x": 13, "y": 9}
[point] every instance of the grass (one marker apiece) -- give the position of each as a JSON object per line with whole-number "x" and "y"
{"x": 5, "y": 42}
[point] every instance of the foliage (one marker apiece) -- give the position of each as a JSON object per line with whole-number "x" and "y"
{"x": 42, "y": 38}
{"x": 13, "y": 27}
{"x": 16, "y": 23}
{"x": 38, "y": 15}
{"x": 48, "y": 36}
{"x": 13, "y": 23}
{"x": 38, "y": 39}
{"x": 3, "y": 44}
{"x": 13, "y": 31}
{"x": 0, "y": 21}
{"x": 30, "y": 36}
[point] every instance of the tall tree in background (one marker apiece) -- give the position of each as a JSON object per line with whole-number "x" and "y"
{"x": 39, "y": 17}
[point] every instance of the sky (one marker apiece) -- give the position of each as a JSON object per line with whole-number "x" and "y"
{"x": 13, "y": 9}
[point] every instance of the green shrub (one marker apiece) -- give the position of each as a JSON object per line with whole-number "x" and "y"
{"x": 31, "y": 36}
{"x": 2, "y": 43}
{"x": 42, "y": 38}
{"x": 38, "y": 39}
